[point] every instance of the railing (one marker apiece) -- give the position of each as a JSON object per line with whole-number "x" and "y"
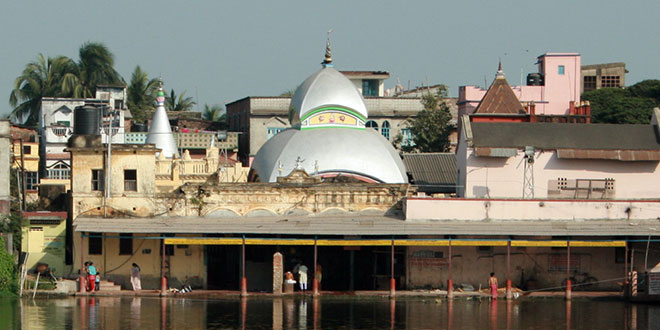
{"x": 59, "y": 174}
{"x": 61, "y": 130}
{"x": 187, "y": 167}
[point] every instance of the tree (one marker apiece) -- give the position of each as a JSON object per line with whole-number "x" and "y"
{"x": 619, "y": 106}
{"x": 431, "y": 127}
{"x": 646, "y": 88}
{"x": 41, "y": 78}
{"x": 141, "y": 94}
{"x": 182, "y": 103}
{"x": 213, "y": 112}
{"x": 95, "y": 67}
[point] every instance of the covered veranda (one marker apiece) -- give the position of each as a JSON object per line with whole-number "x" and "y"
{"x": 386, "y": 233}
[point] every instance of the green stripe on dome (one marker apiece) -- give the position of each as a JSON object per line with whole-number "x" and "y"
{"x": 305, "y": 128}
{"x": 352, "y": 112}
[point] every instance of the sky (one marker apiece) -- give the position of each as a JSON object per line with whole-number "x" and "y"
{"x": 221, "y": 51}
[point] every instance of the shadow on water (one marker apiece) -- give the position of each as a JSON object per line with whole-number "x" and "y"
{"x": 306, "y": 312}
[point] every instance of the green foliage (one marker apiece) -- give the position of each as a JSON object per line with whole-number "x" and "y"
{"x": 180, "y": 103}
{"x": 431, "y": 127}
{"x": 8, "y": 277}
{"x": 13, "y": 224}
{"x": 620, "y": 106}
{"x": 61, "y": 77}
{"x": 141, "y": 94}
{"x": 647, "y": 88}
{"x": 215, "y": 113}
{"x": 42, "y": 78}
{"x": 95, "y": 67}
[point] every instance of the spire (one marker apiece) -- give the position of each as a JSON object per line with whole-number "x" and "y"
{"x": 160, "y": 132}
{"x": 500, "y": 73}
{"x": 327, "y": 62}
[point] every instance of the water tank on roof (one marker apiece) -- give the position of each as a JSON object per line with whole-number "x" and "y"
{"x": 534, "y": 79}
{"x": 86, "y": 120}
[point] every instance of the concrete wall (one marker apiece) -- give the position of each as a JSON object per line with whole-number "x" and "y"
{"x": 510, "y": 209}
{"x": 499, "y": 177}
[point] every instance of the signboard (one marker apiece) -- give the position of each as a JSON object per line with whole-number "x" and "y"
{"x": 654, "y": 283}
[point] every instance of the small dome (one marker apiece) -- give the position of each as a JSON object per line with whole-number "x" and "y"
{"x": 327, "y": 88}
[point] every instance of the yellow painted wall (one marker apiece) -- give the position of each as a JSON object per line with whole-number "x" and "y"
{"x": 183, "y": 268}
{"x": 46, "y": 244}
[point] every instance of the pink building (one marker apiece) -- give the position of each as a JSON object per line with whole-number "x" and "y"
{"x": 553, "y": 89}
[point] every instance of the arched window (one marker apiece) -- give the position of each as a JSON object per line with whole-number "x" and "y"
{"x": 385, "y": 130}
{"x": 372, "y": 124}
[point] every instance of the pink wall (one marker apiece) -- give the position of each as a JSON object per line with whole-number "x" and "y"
{"x": 552, "y": 99}
{"x": 459, "y": 209}
{"x": 498, "y": 177}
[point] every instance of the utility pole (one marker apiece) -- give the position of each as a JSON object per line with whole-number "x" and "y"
{"x": 23, "y": 176}
{"x": 528, "y": 175}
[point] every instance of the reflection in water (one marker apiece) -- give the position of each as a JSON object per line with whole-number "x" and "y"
{"x": 330, "y": 312}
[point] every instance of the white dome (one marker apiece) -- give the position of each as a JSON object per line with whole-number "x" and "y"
{"x": 326, "y": 88}
{"x": 361, "y": 153}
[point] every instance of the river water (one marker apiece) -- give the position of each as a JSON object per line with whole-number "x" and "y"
{"x": 326, "y": 312}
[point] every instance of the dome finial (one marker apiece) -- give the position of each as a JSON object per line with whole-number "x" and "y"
{"x": 500, "y": 73}
{"x": 160, "y": 95}
{"x": 327, "y": 62}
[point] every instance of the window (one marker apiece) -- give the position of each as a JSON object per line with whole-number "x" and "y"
{"x": 272, "y": 131}
{"x": 372, "y": 124}
{"x": 385, "y": 130}
{"x": 95, "y": 243}
{"x": 369, "y": 87}
{"x": 589, "y": 83}
{"x": 59, "y": 171}
{"x": 407, "y": 140}
{"x": 610, "y": 81}
{"x": 119, "y": 104}
{"x": 27, "y": 150}
{"x": 65, "y": 123}
{"x": 126, "y": 244}
{"x": 31, "y": 180}
{"x": 97, "y": 180}
{"x": 130, "y": 180}
{"x": 560, "y": 70}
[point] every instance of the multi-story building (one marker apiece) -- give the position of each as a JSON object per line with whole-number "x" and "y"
{"x": 597, "y": 76}
{"x": 56, "y": 125}
{"x": 554, "y": 89}
{"x": 25, "y": 159}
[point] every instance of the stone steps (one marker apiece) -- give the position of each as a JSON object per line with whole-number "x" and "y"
{"x": 109, "y": 286}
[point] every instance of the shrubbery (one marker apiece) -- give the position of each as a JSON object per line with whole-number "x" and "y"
{"x": 8, "y": 280}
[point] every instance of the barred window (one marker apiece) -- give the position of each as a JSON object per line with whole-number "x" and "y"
{"x": 610, "y": 81}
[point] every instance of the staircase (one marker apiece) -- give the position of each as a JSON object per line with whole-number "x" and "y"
{"x": 106, "y": 285}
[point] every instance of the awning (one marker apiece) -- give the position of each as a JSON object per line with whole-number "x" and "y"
{"x": 364, "y": 226}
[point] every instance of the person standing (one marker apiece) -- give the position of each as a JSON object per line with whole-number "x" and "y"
{"x": 492, "y": 283}
{"x": 98, "y": 280}
{"x": 302, "y": 277}
{"x": 91, "y": 276}
{"x": 135, "y": 277}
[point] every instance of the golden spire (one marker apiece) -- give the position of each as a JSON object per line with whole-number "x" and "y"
{"x": 328, "y": 55}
